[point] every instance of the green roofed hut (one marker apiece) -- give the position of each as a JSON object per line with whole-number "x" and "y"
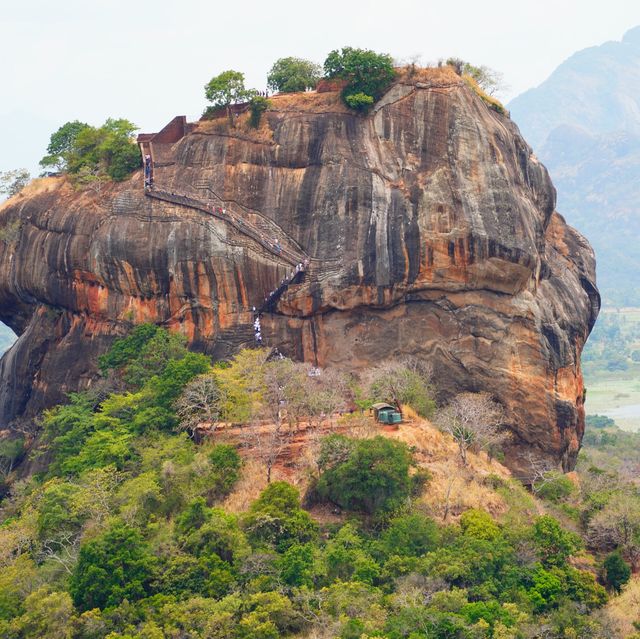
{"x": 386, "y": 413}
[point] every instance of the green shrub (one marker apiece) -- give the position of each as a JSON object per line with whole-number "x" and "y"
{"x": 372, "y": 479}
{"x": 226, "y": 465}
{"x": 257, "y": 106}
{"x": 359, "y": 101}
{"x": 410, "y": 535}
{"x": 617, "y": 571}
{"x": 555, "y": 487}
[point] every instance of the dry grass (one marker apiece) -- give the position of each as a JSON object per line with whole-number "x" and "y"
{"x": 625, "y": 609}
{"x": 38, "y": 186}
{"x": 435, "y": 76}
{"x": 453, "y": 488}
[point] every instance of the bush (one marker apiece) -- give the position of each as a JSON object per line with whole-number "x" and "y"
{"x": 289, "y": 75}
{"x": 373, "y": 479}
{"x": 555, "y": 487}
{"x": 617, "y": 571}
{"x": 226, "y": 465}
{"x": 114, "y": 566}
{"x": 359, "y": 101}
{"x": 368, "y": 74}
{"x": 257, "y": 106}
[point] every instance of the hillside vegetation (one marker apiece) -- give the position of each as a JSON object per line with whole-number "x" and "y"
{"x": 180, "y": 499}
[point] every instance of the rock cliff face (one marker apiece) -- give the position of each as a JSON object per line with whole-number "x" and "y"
{"x": 430, "y": 230}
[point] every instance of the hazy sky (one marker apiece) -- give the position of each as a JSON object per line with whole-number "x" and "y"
{"x": 147, "y": 60}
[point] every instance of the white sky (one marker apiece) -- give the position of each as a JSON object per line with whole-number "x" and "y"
{"x": 148, "y": 60}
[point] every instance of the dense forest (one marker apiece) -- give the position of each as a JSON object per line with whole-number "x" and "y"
{"x": 132, "y": 514}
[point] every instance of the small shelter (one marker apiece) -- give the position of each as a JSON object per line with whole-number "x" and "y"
{"x": 386, "y": 413}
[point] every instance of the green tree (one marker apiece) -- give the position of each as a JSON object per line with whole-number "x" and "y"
{"x": 12, "y": 182}
{"x": 61, "y": 145}
{"x": 114, "y": 566}
{"x": 106, "y": 152}
{"x": 276, "y": 520}
{"x": 617, "y": 571}
{"x": 226, "y": 89}
{"x": 289, "y": 75}
{"x": 126, "y": 349}
{"x": 47, "y": 616}
{"x": 373, "y": 479}
{"x": 555, "y": 545}
{"x": 410, "y": 535}
{"x": 367, "y": 73}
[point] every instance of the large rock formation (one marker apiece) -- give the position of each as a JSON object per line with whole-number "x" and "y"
{"x": 430, "y": 230}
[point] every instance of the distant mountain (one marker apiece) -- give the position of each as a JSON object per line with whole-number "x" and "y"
{"x": 584, "y": 123}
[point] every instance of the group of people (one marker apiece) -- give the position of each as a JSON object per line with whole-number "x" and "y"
{"x": 257, "y": 329}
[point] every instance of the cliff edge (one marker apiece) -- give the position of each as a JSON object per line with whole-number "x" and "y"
{"x": 429, "y": 229}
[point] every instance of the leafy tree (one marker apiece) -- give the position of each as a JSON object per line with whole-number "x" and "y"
{"x": 479, "y": 525}
{"x": 12, "y": 451}
{"x": 373, "y": 479}
{"x": 403, "y": 382}
{"x": 219, "y": 535}
{"x": 114, "y": 566}
{"x": 410, "y": 535}
{"x": 367, "y": 73}
{"x": 47, "y": 616}
{"x": 108, "y": 151}
{"x": 555, "y": 545}
{"x": 489, "y": 80}
{"x": 348, "y": 560}
{"x": 12, "y": 182}
{"x": 177, "y": 373}
{"x": 289, "y": 75}
{"x": 62, "y": 144}
{"x": 17, "y": 580}
{"x": 275, "y": 519}
{"x": 226, "y": 89}
{"x": 127, "y": 349}
{"x": 616, "y": 571}
{"x": 554, "y": 486}
{"x": 299, "y": 565}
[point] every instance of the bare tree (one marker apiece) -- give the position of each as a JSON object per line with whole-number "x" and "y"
{"x": 12, "y": 182}
{"x": 199, "y": 403}
{"x": 474, "y": 420}
{"x": 63, "y": 550}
